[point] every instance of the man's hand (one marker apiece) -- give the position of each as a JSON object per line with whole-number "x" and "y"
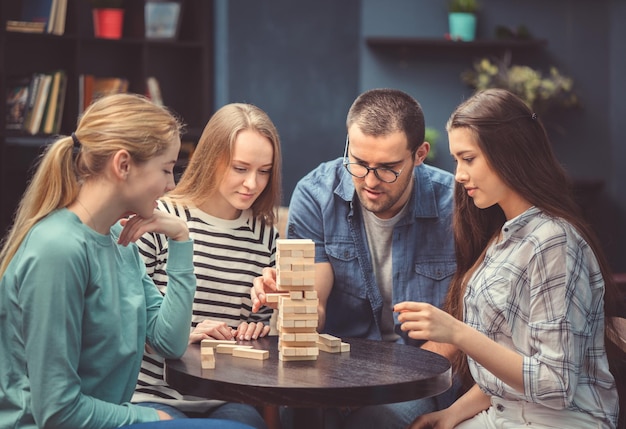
{"x": 260, "y": 286}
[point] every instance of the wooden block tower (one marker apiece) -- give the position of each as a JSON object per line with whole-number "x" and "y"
{"x": 297, "y": 300}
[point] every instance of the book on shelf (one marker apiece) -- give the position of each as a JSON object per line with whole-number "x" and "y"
{"x": 58, "y": 20}
{"x": 39, "y": 105}
{"x": 58, "y": 117}
{"x": 25, "y": 26}
{"x": 91, "y": 88}
{"x": 153, "y": 90}
{"x": 40, "y": 16}
{"x": 16, "y": 102}
{"x": 55, "y": 98}
{"x": 35, "y": 81}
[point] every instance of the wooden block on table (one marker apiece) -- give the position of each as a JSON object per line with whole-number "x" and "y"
{"x": 251, "y": 353}
{"x": 207, "y": 358}
{"x": 208, "y": 343}
{"x": 310, "y": 294}
{"x": 341, "y": 348}
{"x": 329, "y": 340}
{"x": 228, "y": 348}
{"x": 329, "y": 349}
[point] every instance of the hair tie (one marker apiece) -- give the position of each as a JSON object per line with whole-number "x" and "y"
{"x": 76, "y": 141}
{"x": 534, "y": 116}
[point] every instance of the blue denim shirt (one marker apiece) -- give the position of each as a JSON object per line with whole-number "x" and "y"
{"x": 322, "y": 209}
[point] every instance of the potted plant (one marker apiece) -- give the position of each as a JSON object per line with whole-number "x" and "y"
{"x": 462, "y": 19}
{"x": 108, "y": 18}
{"x": 542, "y": 92}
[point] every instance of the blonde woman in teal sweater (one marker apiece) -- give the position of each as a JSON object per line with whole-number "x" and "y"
{"x": 76, "y": 305}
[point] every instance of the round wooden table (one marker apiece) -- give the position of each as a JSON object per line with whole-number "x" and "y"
{"x": 371, "y": 373}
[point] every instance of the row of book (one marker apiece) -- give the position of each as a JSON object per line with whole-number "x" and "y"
{"x": 35, "y": 104}
{"x": 40, "y": 16}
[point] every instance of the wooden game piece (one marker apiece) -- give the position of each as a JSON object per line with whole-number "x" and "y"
{"x": 329, "y": 340}
{"x": 228, "y": 348}
{"x": 213, "y": 343}
{"x": 251, "y": 353}
{"x": 207, "y": 358}
{"x": 274, "y": 296}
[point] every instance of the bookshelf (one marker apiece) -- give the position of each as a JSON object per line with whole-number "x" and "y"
{"x": 183, "y": 67}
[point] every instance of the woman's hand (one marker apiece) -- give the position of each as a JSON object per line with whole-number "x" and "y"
{"x": 160, "y": 222}
{"x": 252, "y": 330}
{"x": 426, "y": 322}
{"x": 213, "y": 330}
{"x": 260, "y": 286}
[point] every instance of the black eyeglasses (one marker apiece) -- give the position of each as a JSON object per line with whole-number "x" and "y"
{"x": 356, "y": 169}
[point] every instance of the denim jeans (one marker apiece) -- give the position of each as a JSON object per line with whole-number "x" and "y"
{"x": 241, "y": 413}
{"x": 387, "y": 416}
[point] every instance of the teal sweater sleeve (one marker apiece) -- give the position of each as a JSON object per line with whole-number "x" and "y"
{"x": 79, "y": 309}
{"x": 169, "y": 321}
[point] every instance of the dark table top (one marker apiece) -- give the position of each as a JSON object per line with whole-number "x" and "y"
{"x": 371, "y": 373}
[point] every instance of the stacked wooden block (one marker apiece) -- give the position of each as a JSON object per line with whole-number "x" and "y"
{"x": 297, "y": 300}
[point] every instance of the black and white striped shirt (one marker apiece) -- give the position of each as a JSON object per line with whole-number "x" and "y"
{"x": 228, "y": 255}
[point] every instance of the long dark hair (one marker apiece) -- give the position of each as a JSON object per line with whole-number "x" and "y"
{"x": 516, "y": 146}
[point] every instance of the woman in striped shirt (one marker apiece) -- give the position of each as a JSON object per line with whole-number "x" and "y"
{"x": 227, "y": 195}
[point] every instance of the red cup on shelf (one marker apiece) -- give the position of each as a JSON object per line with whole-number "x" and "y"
{"x": 108, "y": 23}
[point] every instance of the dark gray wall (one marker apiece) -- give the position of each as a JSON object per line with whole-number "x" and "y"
{"x": 304, "y": 63}
{"x": 299, "y": 62}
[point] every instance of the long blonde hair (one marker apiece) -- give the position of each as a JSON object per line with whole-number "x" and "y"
{"x": 213, "y": 155}
{"x": 122, "y": 121}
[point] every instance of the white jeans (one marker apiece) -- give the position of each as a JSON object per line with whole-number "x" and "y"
{"x": 517, "y": 414}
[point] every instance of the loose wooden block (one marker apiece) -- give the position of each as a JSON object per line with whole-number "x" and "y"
{"x": 213, "y": 343}
{"x": 207, "y": 358}
{"x": 251, "y": 353}
{"x": 341, "y": 348}
{"x": 228, "y": 348}
{"x": 207, "y": 362}
{"x": 329, "y": 340}
{"x": 329, "y": 349}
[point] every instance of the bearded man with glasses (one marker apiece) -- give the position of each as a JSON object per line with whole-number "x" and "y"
{"x": 381, "y": 221}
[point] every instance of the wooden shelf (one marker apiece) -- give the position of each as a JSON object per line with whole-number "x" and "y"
{"x": 450, "y": 45}
{"x": 183, "y": 67}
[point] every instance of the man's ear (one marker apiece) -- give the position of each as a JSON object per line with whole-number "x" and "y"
{"x": 422, "y": 153}
{"x": 121, "y": 164}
